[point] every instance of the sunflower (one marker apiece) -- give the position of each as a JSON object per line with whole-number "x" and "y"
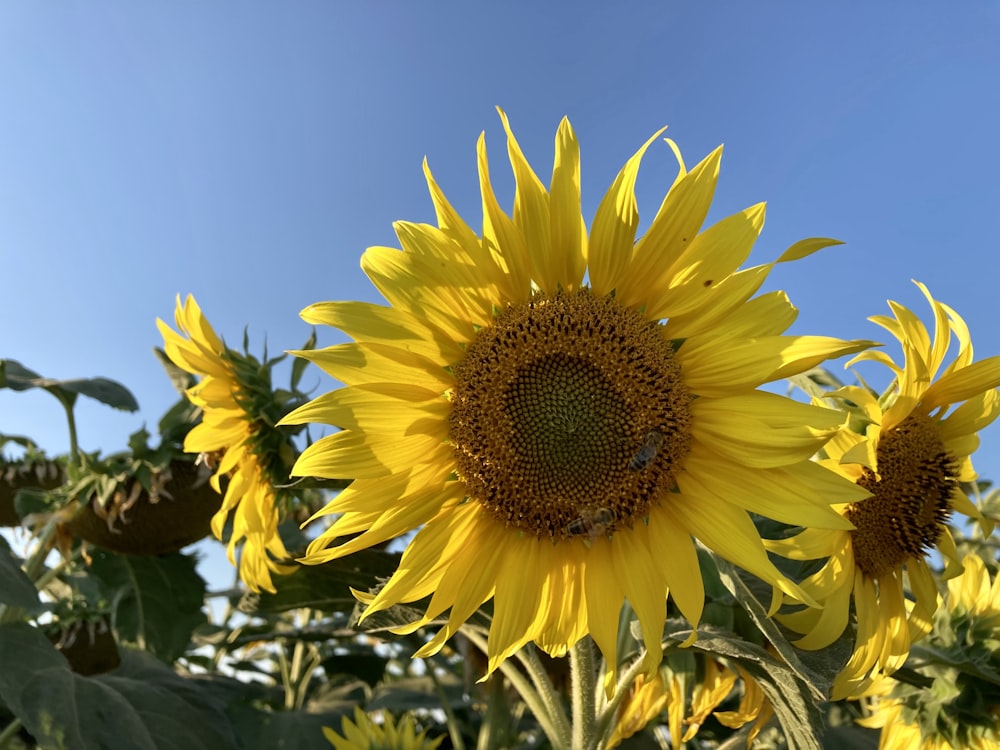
{"x": 364, "y": 734}
{"x": 561, "y": 414}
{"x": 647, "y": 699}
{"x": 960, "y": 708}
{"x": 235, "y": 436}
{"x": 912, "y": 454}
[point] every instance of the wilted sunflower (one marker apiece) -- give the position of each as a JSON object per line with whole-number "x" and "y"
{"x": 912, "y": 455}
{"x": 364, "y": 734}
{"x": 237, "y": 437}
{"x": 961, "y": 708}
{"x": 648, "y": 698}
{"x": 561, "y": 442}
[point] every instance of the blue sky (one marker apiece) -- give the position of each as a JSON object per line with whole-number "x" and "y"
{"x": 249, "y": 153}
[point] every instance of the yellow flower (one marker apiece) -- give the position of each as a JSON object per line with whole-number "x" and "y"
{"x": 561, "y": 442}
{"x": 647, "y": 698}
{"x": 914, "y": 452}
{"x": 232, "y": 434}
{"x": 364, "y": 734}
{"x": 958, "y": 709}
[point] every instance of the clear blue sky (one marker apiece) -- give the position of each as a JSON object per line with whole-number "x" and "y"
{"x": 248, "y": 153}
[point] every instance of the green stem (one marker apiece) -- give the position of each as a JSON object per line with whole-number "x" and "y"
{"x": 530, "y": 696}
{"x": 610, "y": 707}
{"x": 74, "y": 445}
{"x": 528, "y": 656}
{"x": 286, "y": 678}
{"x": 454, "y": 729}
{"x": 584, "y": 674}
{"x": 33, "y": 568}
{"x": 9, "y": 731}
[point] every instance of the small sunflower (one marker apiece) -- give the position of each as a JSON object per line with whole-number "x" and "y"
{"x": 237, "y": 437}
{"x": 560, "y": 414}
{"x": 912, "y": 456}
{"x": 364, "y": 734}
{"x": 961, "y": 707}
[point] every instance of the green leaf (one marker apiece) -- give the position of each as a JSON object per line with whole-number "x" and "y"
{"x": 851, "y": 738}
{"x": 16, "y": 376}
{"x": 180, "y": 379}
{"x": 16, "y": 589}
{"x": 141, "y": 705}
{"x": 285, "y": 730}
{"x": 156, "y": 601}
{"x": 417, "y": 694}
{"x": 817, "y": 669}
{"x": 327, "y": 587}
{"x": 299, "y": 365}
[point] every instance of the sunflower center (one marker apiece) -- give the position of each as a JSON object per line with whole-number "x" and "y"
{"x": 569, "y": 416}
{"x": 910, "y": 498}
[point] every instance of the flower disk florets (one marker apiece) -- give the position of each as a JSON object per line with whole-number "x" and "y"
{"x": 569, "y": 411}
{"x": 911, "y": 497}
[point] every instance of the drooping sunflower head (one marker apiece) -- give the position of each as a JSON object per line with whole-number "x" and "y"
{"x": 365, "y": 734}
{"x": 561, "y": 413}
{"x": 237, "y": 437}
{"x": 912, "y": 454}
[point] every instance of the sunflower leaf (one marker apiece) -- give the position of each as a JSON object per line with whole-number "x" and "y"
{"x": 327, "y": 587}
{"x": 817, "y": 669}
{"x": 300, "y": 364}
{"x": 16, "y": 589}
{"x": 142, "y": 702}
{"x": 17, "y": 377}
{"x": 180, "y": 379}
{"x": 302, "y": 730}
{"x": 156, "y": 601}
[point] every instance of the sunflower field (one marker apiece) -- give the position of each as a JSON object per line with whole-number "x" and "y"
{"x": 572, "y": 485}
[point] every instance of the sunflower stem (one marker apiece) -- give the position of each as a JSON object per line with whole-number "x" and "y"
{"x": 610, "y": 706}
{"x": 74, "y": 445}
{"x": 454, "y": 729}
{"x": 543, "y": 684}
{"x": 556, "y": 731}
{"x": 9, "y": 731}
{"x": 584, "y": 687}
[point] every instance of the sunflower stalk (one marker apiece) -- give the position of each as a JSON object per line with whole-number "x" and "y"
{"x": 554, "y": 723}
{"x": 9, "y": 731}
{"x": 609, "y": 706}
{"x": 584, "y": 687}
{"x": 454, "y": 729}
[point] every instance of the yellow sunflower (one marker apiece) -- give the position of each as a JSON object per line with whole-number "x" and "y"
{"x": 960, "y": 709}
{"x": 647, "y": 698}
{"x": 233, "y": 434}
{"x": 364, "y": 734}
{"x": 912, "y": 455}
{"x": 561, "y": 414}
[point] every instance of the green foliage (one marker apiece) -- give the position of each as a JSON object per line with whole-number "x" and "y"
{"x": 143, "y": 703}
{"x": 156, "y": 602}
{"x": 17, "y": 377}
{"x": 16, "y": 589}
